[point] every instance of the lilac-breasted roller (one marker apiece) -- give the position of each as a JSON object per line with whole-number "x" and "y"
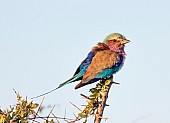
{"x": 104, "y": 60}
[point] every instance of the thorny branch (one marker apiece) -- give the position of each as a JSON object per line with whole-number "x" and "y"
{"x": 96, "y": 101}
{"x": 102, "y": 105}
{"x": 24, "y": 111}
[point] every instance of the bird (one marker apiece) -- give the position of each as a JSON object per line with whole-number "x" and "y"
{"x": 104, "y": 60}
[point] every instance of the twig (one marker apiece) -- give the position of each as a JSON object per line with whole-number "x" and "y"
{"x": 50, "y": 112}
{"x": 55, "y": 117}
{"x": 35, "y": 116}
{"x": 86, "y": 97}
{"x": 76, "y": 106}
{"x": 44, "y": 117}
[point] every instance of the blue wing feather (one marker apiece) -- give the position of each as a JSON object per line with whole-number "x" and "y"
{"x": 80, "y": 70}
{"x": 85, "y": 63}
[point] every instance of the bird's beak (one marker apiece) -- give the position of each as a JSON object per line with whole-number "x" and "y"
{"x": 125, "y": 41}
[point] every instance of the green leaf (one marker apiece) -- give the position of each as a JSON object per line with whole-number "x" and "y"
{"x": 107, "y": 82}
{"x": 51, "y": 121}
{"x": 82, "y": 115}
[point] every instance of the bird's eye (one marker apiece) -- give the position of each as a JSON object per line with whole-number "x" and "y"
{"x": 114, "y": 40}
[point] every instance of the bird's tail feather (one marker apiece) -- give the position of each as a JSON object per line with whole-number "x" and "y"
{"x": 83, "y": 83}
{"x": 74, "y": 78}
{"x": 79, "y": 85}
{"x": 46, "y": 93}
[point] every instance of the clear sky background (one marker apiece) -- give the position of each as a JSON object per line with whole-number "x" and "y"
{"x": 43, "y": 42}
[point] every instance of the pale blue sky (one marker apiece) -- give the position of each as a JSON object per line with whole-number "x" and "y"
{"x": 42, "y": 43}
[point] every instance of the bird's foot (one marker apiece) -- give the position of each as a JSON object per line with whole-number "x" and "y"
{"x": 104, "y": 79}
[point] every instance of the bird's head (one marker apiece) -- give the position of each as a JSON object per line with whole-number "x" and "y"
{"x": 116, "y": 42}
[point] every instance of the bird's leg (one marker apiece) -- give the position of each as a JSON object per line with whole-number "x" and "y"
{"x": 107, "y": 78}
